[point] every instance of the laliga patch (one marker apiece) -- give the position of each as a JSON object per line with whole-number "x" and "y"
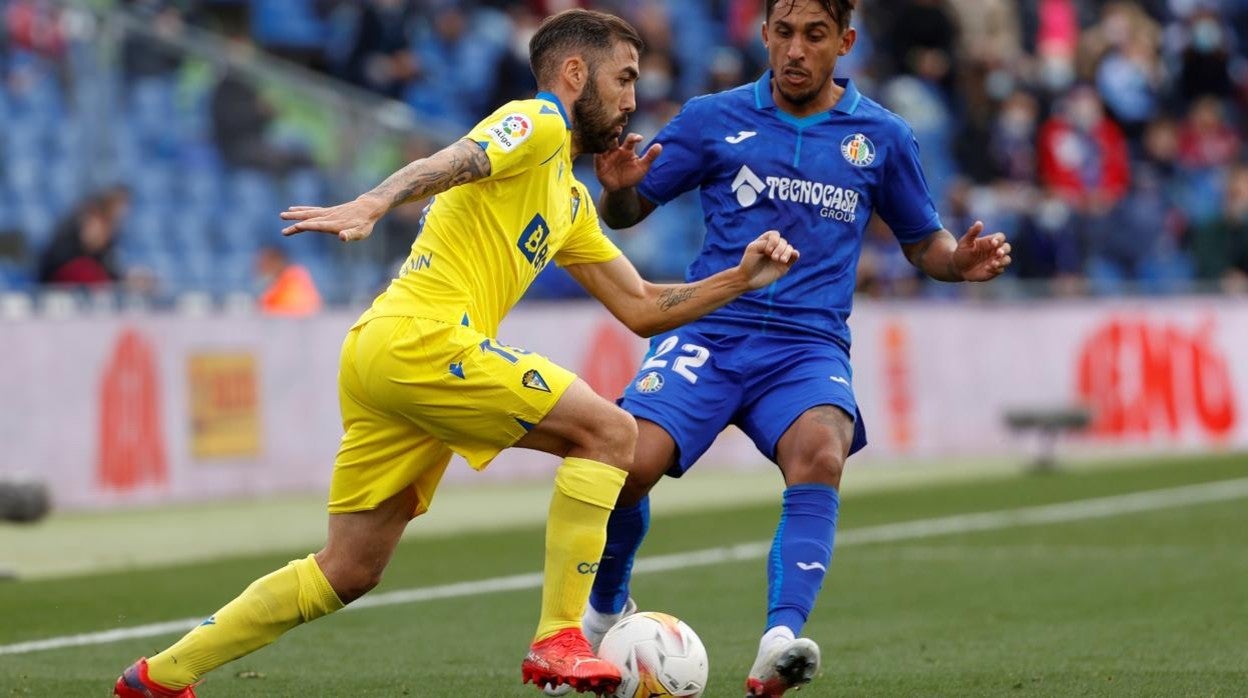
{"x": 533, "y": 379}
{"x": 858, "y": 150}
{"x": 652, "y": 382}
{"x": 509, "y": 133}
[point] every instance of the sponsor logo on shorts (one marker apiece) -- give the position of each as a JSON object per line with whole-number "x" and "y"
{"x": 652, "y": 382}
{"x": 858, "y": 150}
{"x": 533, "y": 379}
{"x": 509, "y": 133}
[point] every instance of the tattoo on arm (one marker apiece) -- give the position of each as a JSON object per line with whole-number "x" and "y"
{"x": 458, "y": 163}
{"x": 672, "y": 297}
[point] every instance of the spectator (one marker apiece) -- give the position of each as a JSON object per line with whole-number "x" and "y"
{"x": 1207, "y": 140}
{"x": 146, "y": 55}
{"x": 1012, "y": 139}
{"x": 241, "y": 117}
{"x": 82, "y": 249}
{"x": 1220, "y": 248}
{"x": 1206, "y": 57}
{"x": 1083, "y": 155}
{"x": 1139, "y": 247}
{"x": 288, "y": 287}
{"x": 380, "y": 57}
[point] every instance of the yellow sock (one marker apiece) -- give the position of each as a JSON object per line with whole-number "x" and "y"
{"x": 576, "y": 530}
{"x": 273, "y": 604}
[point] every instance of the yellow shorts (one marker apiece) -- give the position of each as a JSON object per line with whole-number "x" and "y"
{"x": 412, "y": 391}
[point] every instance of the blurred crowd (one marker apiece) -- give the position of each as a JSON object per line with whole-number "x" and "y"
{"x": 1105, "y": 136}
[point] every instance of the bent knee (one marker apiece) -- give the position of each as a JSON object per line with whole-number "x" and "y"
{"x": 823, "y": 467}
{"x": 611, "y": 437}
{"x": 352, "y": 579}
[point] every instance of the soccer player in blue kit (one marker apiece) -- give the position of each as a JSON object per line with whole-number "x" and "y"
{"x": 814, "y": 158}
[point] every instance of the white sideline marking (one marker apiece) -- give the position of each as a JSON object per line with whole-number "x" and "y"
{"x": 1153, "y": 500}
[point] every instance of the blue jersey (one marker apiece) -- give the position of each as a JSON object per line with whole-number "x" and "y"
{"x": 816, "y": 179}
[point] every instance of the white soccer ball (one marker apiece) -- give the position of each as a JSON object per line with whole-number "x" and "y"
{"x": 658, "y": 655}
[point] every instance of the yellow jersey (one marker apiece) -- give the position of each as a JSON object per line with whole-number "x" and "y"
{"x": 482, "y": 244}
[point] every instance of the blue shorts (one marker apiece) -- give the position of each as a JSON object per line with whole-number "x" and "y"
{"x": 695, "y": 384}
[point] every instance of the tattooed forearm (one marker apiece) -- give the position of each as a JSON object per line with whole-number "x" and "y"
{"x": 458, "y": 163}
{"x": 672, "y": 297}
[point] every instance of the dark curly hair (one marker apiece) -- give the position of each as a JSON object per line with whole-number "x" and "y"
{"x": 841, "y": 11}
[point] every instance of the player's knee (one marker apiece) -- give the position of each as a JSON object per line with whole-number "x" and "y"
{"x": 351, "y": 579}
{"x": 636, "y": 487}
{"x": 823, "y": 466}
{"x": 613, "y": 437}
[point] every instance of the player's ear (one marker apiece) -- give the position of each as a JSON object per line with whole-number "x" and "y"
{"x": 575, "y": 72}
{"x": 766, "y": 40}
{"x": 847, "y": 40}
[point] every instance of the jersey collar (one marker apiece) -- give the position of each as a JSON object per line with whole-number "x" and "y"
{"x": 848, "y": 103}
{"x": 550, "y": 97}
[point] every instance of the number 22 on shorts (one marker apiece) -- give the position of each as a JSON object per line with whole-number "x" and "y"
{"x": 692, "y": 357}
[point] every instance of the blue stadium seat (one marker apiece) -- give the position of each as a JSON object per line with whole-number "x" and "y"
{"x": 234, "y": 273}
{"x": 37, "y": 222}
{"x": 22, "y": 174}
{"x": 148, "y": 229}
{"x": 306, "y": 188}
{"x": 24, "y": 137}
{"x": 152, "y": 185}
{"x": 252, "y": 190}
{"x": 65, "y": 185}
{"x": 287, "y": 23}
{"x": 202, "y": 188}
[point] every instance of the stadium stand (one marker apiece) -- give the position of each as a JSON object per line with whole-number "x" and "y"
{"x": 1100, "y": 134}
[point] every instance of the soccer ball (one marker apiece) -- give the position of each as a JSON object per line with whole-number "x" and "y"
{"x": 658, "y": 655}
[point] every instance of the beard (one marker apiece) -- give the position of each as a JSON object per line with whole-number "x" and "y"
{"x": 593, "y": 128}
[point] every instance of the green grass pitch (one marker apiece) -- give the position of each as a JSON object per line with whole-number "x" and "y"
{"x": 1152, "y": 602}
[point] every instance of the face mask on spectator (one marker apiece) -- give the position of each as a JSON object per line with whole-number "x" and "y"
{"x": 1206, "y": 36}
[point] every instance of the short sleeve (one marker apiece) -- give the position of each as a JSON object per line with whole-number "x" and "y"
{"x": 904, "y": 201}
{"x": 586, "y": 243}
{"x": 519, "y": 136}
{"x": 679, "y": 167}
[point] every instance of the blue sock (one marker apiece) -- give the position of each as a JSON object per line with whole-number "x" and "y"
{"x": 625, "y": 530}
{"x": 800, "y": 554}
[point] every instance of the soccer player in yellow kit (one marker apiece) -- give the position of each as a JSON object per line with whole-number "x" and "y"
{"x": 422, "y": 375}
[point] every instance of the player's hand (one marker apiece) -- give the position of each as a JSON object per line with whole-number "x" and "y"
{"x": 981, "y": 258}
{"x": 353, "y": 220}
{"x": 766, "y": 259}
{"x": 620, "y": 168}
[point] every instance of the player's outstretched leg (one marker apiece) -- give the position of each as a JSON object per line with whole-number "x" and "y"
{"x": 800, "y": 555}
{"x": 359, "y": 547}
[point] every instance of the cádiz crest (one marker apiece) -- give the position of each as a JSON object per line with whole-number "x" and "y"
{"x": 533, "y": 379}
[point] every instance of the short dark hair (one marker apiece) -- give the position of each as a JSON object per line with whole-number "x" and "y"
{"x": 576, "y": 30}
{"x": 841, "y": 11}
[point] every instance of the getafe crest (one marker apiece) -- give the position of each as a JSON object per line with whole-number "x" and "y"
{"x": 858, "y": 150}
{"x": 652, "y": 382}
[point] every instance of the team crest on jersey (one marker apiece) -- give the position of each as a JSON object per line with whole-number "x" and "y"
{"x": 513, "y": 130}
{"x": 858, "y": 150}
{"x": 652, "y": 382}
{"x": 533, "y": 379}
